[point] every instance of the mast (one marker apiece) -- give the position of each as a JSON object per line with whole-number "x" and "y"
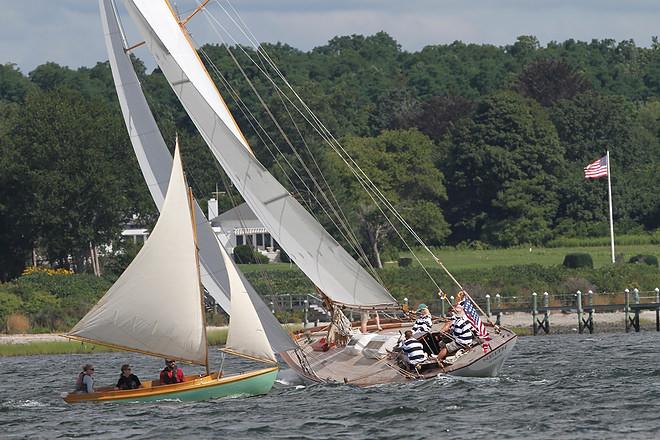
{"x": 201, "y": 288}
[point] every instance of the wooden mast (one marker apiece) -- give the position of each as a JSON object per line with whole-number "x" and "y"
{"x": 199, "y": 278}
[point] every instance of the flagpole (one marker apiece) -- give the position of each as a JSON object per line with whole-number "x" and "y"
{"x": 609, "y": 194}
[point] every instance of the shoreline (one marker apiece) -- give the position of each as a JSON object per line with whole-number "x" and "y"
{"x": 519, "y": 322}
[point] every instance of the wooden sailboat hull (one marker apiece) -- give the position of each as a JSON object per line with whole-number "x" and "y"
{"x": 343, "y": 365}
{"x": 194, "y": 388}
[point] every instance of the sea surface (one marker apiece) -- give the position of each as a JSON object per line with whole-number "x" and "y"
{"x": 603, "y": 386}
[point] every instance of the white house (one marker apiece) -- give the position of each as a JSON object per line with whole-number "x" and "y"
{"x": 239, "y": 226}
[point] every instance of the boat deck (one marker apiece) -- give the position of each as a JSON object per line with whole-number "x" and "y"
{"x": 343, "y": 365}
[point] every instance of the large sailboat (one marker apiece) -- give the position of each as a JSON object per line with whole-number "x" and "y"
{"x": 156, "y": 308}
{"x": 361, "y": 359}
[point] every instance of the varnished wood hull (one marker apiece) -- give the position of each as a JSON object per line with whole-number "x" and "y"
{"x": 340, "y": 366}
{"x": 194, "y": 388}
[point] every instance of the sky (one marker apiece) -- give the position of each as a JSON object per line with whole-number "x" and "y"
{"x": 68, "y": 32}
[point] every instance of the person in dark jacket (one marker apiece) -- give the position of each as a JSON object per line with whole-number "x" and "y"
{"x": 127, "y": 380}
{"x": 171, "y": 373}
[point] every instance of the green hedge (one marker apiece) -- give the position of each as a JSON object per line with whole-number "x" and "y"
{"x": 244, "y": 254}
{"x": 651, "y": 260}
{"x": 578, "y": 260}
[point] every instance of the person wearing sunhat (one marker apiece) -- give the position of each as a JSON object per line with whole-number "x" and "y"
{"x": 423, "y": 323}
{"x": 127, "y": 380}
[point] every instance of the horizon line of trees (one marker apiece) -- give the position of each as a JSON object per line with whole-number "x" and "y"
{"x": 472, "y": 143}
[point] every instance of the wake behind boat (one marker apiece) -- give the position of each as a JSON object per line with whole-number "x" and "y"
{"x": 156, "y": 308}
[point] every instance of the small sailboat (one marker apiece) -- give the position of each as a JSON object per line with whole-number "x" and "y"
{"x": 156, "y": 308}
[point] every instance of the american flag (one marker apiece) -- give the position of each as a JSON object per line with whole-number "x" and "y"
{"x": 596, "y": 169}
{"x": 473, "y": 316}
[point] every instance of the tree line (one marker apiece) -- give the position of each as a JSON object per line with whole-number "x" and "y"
{"x": 474, "y": 144}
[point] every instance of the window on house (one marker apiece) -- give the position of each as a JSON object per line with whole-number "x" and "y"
{"x": 260, "y": 240}
{"x": 239, "y": 240}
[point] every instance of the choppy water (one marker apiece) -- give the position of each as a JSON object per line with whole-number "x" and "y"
{"x": 561, "y": 387}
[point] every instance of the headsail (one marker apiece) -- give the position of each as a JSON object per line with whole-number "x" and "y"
{"x": 156, "y": 163}
{"x": 246, "y": 334}
{"x": 154, "y": 306}
{"x": 317, "y": 254}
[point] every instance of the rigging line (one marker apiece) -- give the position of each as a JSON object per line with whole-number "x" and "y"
{"x": 284, "y": 158}
{"x": 339, "y": 212}
{"x": 332, "y": 140}
{"x": 311, "y": 176}
{"x": 259, "y": 48}
{"x": 344, "y": 234}
{"x": 324, "y": 132}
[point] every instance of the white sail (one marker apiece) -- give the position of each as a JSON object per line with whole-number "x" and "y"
{"x": 155, "y": 305}
{"x": 156, "y": 163}
{"x": 317, "y": 254}
{"x": 246, "y": 334}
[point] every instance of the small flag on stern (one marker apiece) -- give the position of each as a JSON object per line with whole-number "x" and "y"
{"x": 473, "y": 316}
{"x": 596, "y": 169}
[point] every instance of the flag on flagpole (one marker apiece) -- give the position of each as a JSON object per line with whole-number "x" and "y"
{"x": 473, "y": 316}
{"x": 596, "y": 169}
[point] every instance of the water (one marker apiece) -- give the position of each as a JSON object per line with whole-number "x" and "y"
{"x": 565, "y": 387}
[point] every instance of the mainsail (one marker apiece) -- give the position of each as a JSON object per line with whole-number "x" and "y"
{"x": 156, "y": 163}
{"x": 154, "y": 307}
{"x": 315, "y": 251}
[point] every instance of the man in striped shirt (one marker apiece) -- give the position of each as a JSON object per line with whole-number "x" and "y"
{"x": 413, "y": 349}
{"x": 462, "y": 333}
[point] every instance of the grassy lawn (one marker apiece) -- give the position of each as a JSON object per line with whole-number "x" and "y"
{"x": 482, "y": 259}
{"x": 456, "y": 259}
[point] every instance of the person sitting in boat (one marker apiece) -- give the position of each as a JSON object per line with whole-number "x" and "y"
{"x": 85, "y": 381}
{"x": 461, "y": 331}
{"x": 423, "y": 323}
{"x": 127, "y": 380}
{"x": 413, "y": 349}
{"x": 171, "y": 373}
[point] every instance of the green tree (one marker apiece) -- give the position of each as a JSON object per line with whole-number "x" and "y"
{"x": 69, "y": 146}
{"x": 400, "y": 164}
{"x": 502, "y": 171}
{"x": 548, "y": 81}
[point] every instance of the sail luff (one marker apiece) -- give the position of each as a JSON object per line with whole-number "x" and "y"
{"x": 155, "y": 163}
{"x": 317, "y": 254}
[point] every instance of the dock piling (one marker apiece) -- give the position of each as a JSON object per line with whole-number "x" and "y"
{"x": 488, "y": 305}
{"x": 578, "y": 303}
{"x": 498, "y": 305}
{"x": 626, "y": 301}
{"x": 534, "y": 311}
{"x": 657, "y": 310}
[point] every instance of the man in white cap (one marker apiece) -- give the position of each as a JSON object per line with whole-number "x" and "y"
{"x": 461, "y": 331}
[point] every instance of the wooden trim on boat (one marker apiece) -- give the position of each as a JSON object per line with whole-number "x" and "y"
{"x": 134, "y": 350}
{"x": 154, "y": 388}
